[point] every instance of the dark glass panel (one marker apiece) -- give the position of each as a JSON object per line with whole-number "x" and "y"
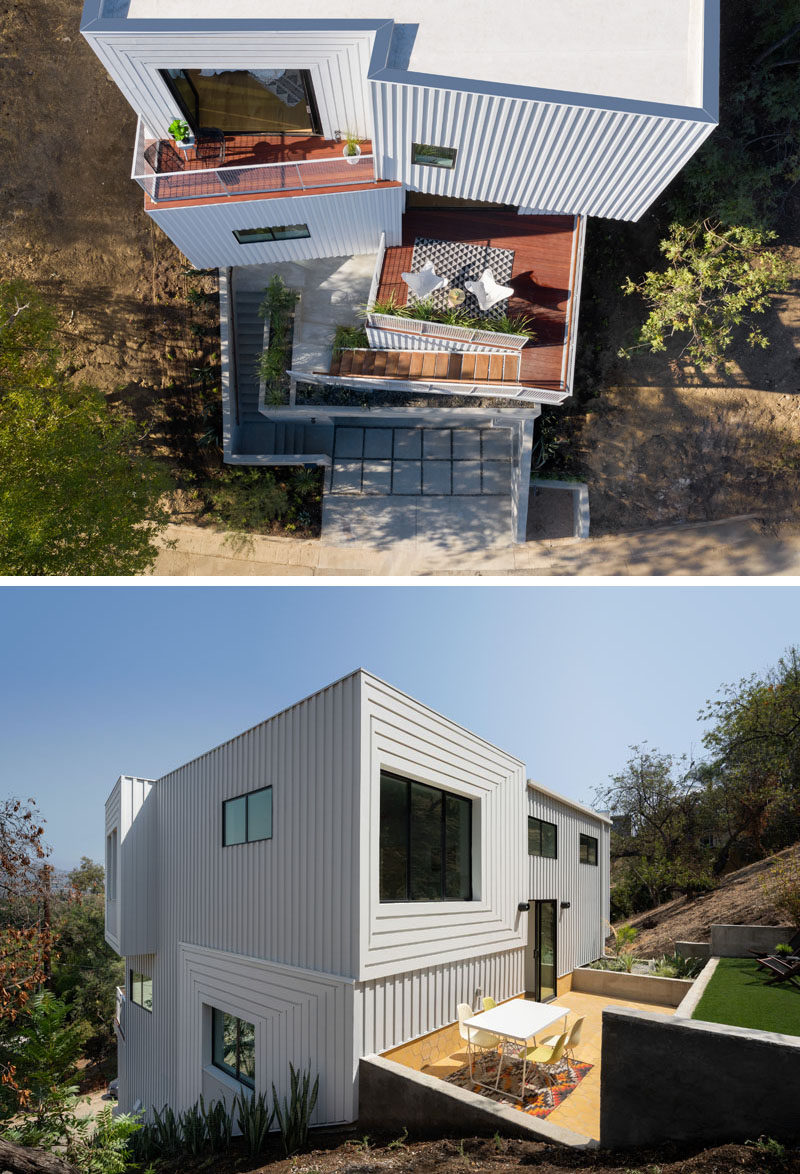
{"x": 426, "y": 843}
{"x": 259, "y": 815}
{"x": 458, "y": 848}
{"x": 394, "y": 839}
{"x": 235, "y": 815}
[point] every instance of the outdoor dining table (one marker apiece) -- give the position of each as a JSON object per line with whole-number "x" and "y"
{"x": 518, "y": 1022}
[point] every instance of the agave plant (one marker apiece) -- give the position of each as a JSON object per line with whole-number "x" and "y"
{"x": 295, "y": 1113}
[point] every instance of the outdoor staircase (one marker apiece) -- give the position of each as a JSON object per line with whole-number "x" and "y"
{"x": 469, "y": 367}
{"x": 249, "y": 335}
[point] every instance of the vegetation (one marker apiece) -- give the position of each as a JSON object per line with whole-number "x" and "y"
{"x": 351, "y": 143}
{"x": 294, "y": 1114}
{"x": 77, "y": 494}
{"x": 676, "y": 966}
{"x": 783, "y": 887}
{"x": 720, "y": 214}
{"x": 249, "y": 499}
{"x": 738, "y": 994}
{"x": 456, "y": 316}
{"x": 278, "y": 308}
{"x": 348, "y": 338}
{"x": 684, "y": 824}
{"x": 179, "y": 129}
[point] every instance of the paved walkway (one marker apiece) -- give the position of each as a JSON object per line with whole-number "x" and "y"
{"x": 734, "y": 547}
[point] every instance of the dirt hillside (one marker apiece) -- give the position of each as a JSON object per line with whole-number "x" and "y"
{"x": 739, "y": 900}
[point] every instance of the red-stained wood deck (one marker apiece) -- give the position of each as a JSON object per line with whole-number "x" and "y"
{"x": 197, "y": 175}
{"x": 541, "y": 275}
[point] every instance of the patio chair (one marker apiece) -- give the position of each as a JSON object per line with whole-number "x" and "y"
{"x": 483, "y": 1040}
{"x": 573, "y": 1038}
{"x": 423, "y": 284}
{"x": 781, "y": 971}
{"x": 486, "y": 290}
{"x": 545, "y": 1058}
{"x": 488, "y": 1002}
{"x": 210, "y": 145}
{"x": 794, "y": 943}
{"x": 163, "y": 157}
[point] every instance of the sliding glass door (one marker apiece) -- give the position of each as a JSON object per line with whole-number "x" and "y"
{"x": 246, "y": 101}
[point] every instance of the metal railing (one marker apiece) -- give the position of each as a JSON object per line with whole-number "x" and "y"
{"x": 436, "y": 330}
{"x": 256, "y": 178}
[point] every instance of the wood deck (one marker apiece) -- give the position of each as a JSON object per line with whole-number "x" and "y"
{"x": 541, "y": 275}
{"x": 198, "y": 174}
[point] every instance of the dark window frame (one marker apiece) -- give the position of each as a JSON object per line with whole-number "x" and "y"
{"x": 418, "y": 149}
{"x": 133, "y": 976}
{"x": 246, "y": 796}
{"x": 271, "y": 228}
{"x": 408, "y": 899}
{"x": 588, "y": 842}
{"x": 219, "y": 1064}
{"x": 532, "y": 819}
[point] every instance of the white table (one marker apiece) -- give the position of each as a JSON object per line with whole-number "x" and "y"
{"x": 519, "y": 1021}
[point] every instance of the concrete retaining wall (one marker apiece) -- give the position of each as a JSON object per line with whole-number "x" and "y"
{"x": 392, "y": 1097}
{"x": 693, "y": 949}
{"x": 639, "y": 988}
{"x": 736, "y": 941}
{"x": 684, "y": 1080}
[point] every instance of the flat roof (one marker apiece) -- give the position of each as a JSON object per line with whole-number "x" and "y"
{"x": 641, "y": 50}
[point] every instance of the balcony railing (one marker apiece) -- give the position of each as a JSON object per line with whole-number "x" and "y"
{"x": 119, "y": 1013}
{"x": 194, "y": 182}
{"x": 432, "y": 333}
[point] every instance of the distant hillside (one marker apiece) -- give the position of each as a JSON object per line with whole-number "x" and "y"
{"x": 738, "y": 900}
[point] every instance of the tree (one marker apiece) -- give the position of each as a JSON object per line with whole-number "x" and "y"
{"x": 77, "y": 494}
{"x": 716, "y": 280}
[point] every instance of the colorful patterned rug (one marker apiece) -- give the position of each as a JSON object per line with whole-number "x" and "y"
{"x": 539, "y": 1099}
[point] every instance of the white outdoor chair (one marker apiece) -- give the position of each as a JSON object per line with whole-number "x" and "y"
{"x": 573, "y": 1038}
{"x": 484, "y": 1040}
{"x": 487, "y": 291}
{"x": 423, "y": 284}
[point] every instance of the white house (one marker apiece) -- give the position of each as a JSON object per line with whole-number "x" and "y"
{"x": 330, "y": 884}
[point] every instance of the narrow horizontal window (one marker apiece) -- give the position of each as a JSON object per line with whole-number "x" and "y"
{"x": 280, "y": 232}
{"x": 140, "y": 988}
{"x": 588, "y": 849}
{"x": 542, "y": 838}
{"x": 425, "y": 844}
{"x": 233, "y": 1046}
{"x": 247, "y": 818}
{"x": 427, "y": 156}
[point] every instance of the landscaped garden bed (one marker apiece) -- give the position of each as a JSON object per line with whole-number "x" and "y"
{"x": 739, "y": 995}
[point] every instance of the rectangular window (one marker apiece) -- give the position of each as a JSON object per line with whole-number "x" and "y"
{"x": 282, "y": 232}
{"x": 542, "y": 838}
{"x": 233, "y": 1046}
{"x": 247, "y": 818}
{"x": 141, "y": 990}
{"x": 425, "y": 843}
{"x": 428, "y": 156}
{"x": 588, "y": 849}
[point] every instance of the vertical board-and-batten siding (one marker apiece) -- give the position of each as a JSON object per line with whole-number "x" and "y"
{"x": 580, "y": 930}
{"x": 133, "y": 52}
{"x": 402, "y": 735}
{"x": 340, "y": 224}
{"x": 138, "y": 867}
{"x": 547, "y": 156}
{"x": 112, "y": 906}
{"x": 140, "y": 1067}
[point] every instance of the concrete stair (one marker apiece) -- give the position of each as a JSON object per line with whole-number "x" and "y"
{"x": 249, "y": 334}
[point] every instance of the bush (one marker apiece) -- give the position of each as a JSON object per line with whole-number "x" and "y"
{"x": 426, "y": 312}
{"x": 278, "y": 307}
{"x": 676, "y": 966}
{"x": 248, "y": 499}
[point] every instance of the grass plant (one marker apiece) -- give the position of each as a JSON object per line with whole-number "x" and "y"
{"x": 739, "y": 995}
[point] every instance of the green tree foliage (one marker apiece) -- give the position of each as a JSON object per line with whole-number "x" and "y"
{"x": 249, "y": 499}
{"x": 717, "y": 279}
{"x": 45, "y": 1049}
{"x": 77, "y": 496}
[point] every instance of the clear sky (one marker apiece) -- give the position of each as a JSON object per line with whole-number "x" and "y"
{"x": 103, "y": 681}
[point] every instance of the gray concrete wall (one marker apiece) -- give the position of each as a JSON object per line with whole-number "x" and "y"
{"x": 639, "y": 988}
{"x": 693, "y": 949}
{"x": 666, "y": 1078}
{"x": 736, "y": 941}
{"x": 392, "y": 1097}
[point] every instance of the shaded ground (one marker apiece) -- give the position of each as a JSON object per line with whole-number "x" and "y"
{"x": 457, "y": 1156}
{"x": 739, "y": 900}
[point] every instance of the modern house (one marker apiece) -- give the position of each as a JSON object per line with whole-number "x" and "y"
{"x": 482, "y": 143}
{"x": 331, "y": 884}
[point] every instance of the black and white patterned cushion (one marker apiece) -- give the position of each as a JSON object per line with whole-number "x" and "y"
{"x": 460, "y": 262}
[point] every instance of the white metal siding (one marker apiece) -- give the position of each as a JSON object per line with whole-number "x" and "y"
{"x": 141, "y": 1072}
{"x": 581, "y": 929}
{"x": 337, "y": 61}
{"x": 389, "y": 1011}
{"x": 401, "y": 735}
{"x": 534, "y": 154}
{"x": 341, "y": 224}
{"x": 112, "y": 906}
{"x": 138, "y": 867}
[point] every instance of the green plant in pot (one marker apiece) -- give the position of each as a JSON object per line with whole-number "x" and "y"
{"x": 783, "y": 950}
{"x": 181, "y": 132}
{"x": 352, "y": 147}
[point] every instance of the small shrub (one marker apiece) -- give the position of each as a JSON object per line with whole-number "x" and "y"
{"x": 248, "y": 499}
{"x": 166, "y": 1133}
{"x": 254, "y": 1118}
{"x": 219, "y": 1126}
{"x": 676, "y": 966}
{"x": 295, "y": 1113}
{"x": 192, "y": 1125}
{"x": 348, "y": 338}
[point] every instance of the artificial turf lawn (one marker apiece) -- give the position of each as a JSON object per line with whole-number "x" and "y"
{"x": 738, "y": 995}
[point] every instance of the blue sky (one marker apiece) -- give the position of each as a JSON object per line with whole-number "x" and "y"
{"x": 101, "y": 681}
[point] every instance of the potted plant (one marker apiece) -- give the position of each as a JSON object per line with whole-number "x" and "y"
{"x": 181, "y": 133}
{"x": 352, "y": 147}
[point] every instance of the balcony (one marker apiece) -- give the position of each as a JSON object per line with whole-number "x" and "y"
{"x": 247, "y": 165}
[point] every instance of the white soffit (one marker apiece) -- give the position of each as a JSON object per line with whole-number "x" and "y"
{"x": 640, "y": 50}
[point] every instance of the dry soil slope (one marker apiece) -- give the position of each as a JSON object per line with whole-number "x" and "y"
{"x": 739, "y": 900}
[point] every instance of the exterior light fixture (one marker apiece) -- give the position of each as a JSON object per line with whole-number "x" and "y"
{"x": 565, "y": 904}
{"x": 523, "y": 907}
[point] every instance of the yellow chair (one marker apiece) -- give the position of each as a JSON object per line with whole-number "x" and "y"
{"x": 574, "y": 1038}
{"x": 544, "y": 1057}
{"x": 483, "y": 1040}
{"x": 488, "y": 1003}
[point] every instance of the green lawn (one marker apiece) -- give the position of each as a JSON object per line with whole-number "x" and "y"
{"x": 738, "y": 994}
